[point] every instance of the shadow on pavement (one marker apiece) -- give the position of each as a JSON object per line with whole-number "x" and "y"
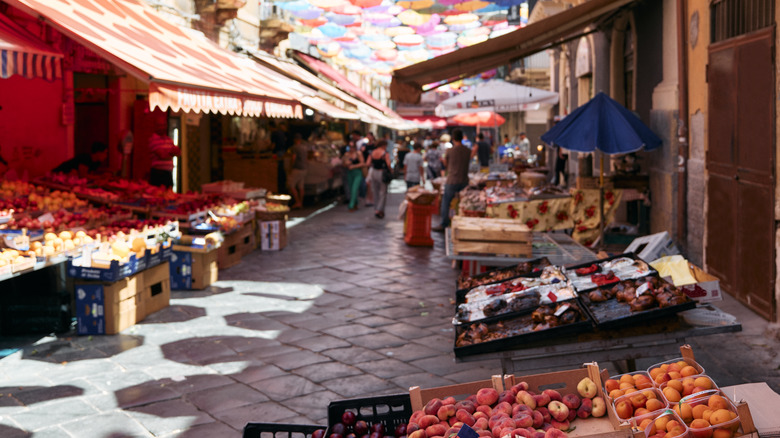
{"x": 175, "y": 313}
{"x": 28, "y": 395}
{"x": 12, "y": 432}
{"x": 73, "y": 349}
{"x": 207, "y": 292}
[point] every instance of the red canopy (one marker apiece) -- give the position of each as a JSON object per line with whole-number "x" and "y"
{"x": 23, "y": 54}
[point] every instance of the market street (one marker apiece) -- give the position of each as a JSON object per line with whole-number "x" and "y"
{"x": 346, "y": 310}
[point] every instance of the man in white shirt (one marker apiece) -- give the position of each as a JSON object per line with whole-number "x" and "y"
{"x": 413, "y": 167}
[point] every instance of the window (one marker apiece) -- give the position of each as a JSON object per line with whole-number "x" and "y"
{"x": 732, "y": 18}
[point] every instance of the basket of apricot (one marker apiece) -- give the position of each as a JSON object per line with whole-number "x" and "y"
{"x": 622, "y": 384}
{"x": 674, "y": 390}
{"x": 636, "y": 403}
{"x": 708, "y": 414}
{"x": 674, "y": 369}
{"x": 663, "y": 424}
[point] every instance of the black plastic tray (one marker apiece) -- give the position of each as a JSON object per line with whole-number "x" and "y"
{"x": 581, "y": 326}
{"x": 612, "y": 313}
{"x": 585, "y": 265}
{"x": 534, "y": 262}
{"x": 273, "y": 430}
{"x": 390, "y": 410}
{"x": 492, "y": 318}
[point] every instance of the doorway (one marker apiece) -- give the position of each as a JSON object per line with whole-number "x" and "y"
{"x": 740, "y": 246}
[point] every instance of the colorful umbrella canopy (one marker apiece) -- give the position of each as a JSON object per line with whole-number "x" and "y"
{"x": 479, "y": 118}
{"x": 416, "y": 4}
{"x": 412, "y": 18}
{"x": 471, "y": 5}
{"x": 461, "y": 19}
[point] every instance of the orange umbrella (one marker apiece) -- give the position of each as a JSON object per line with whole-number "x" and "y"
{"x": 471, "y": 5}
{"x": 415, "y": 4}
{"x": 479, "y": 118}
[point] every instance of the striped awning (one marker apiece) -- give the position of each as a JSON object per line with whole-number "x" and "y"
{"x": 22, "y": 54}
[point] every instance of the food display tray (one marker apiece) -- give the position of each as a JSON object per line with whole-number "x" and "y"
{"x": 631, "y": 255}
{"x": 612, "y": 313}
{"x": 536, "y": 268}
{"x": 583, "y": 325}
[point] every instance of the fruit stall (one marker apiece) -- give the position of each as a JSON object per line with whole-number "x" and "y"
{"x": 674, "y": 398}
{"x": 107, "y": 251}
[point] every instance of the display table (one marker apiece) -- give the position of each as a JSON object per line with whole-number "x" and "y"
{"x": 559, "y": 248}
{"x": 652, "y": 339}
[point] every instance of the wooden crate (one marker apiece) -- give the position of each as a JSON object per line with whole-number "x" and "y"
{"x": 490, "y": 236}
{"x": 460, "y": 391}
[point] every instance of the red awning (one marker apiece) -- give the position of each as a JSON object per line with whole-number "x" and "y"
{"x": 184, "y": 69}
{"x": 344, "y": 83}
{"x": 21, "y": 53}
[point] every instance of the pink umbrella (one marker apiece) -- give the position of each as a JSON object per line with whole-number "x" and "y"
{"x": 479, "y": 118}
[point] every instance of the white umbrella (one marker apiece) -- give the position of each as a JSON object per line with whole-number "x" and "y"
{"x": 498, "y": 96}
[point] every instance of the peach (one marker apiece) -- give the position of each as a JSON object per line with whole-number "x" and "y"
{"x": 538, "y": 419}
{"x": 481, "y": 423}
{"x": 553, "y": 394}
{"x": 572, "y": 415}
{"x": 436, "y": 430}
{"x": 526, "y": 398}
{"x": 522, "y": 386}
{"x": 484, "y": 408}
{"x": 542, "y": 399}
{"x": 479, "y": 414}
{"x": 449, "y": 401}
{"x": 554, "y": 433}
{"x": 445, "y": 412}
{"x": 525, "y": 433}
{"x": 524, "y": 420}
{"x": 558, "y": 411}
{"x": 585, "y": 409}
{"x": 428, "y": 420}
{"x": 654, "y": 404}
{"x": 572, "y": 401}
{"x": 432, "y": 407}
{"x": 487, "y": 396}
{"x": 716, "y": 401}
{"x": 586, "y": 388}
{"x": 506, "y": 396}
{"x": 466, "y": 405}
{"x": 518, "y": 408}
{"x": 672, "y": 395}
{"x": 611, "y": 384}
{"x": 463, "y": 416}
{"x": 418, "y": 434}
{"x": 561, "y": 425}
{"x": 599, "y": 407}
{"x": 703, "y": 382}
{"x": 503, "y": 407}
{"x": 624, "y": 409}
{"x": 688, "y": 371}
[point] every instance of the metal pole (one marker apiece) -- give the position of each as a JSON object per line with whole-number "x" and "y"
{"x": 601, "y": 202}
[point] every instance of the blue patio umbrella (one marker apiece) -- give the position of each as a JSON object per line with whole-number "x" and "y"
{"x": 602, "y": 124}
{"x": 605, "y": 125}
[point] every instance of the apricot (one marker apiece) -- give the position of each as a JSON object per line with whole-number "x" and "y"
{"x": 665, "y": 367}
{"x": 672, "y": 394}
{"x": 627, "y": 378}
{"x": 722, "y": 433}
{"x": 672, "y": 424}
{"x": 707, "y": 414}
{"x": 654, "y": 404}
{"x": 698, "y": 410}
{"x": 720, "y": 416}
{"x": 685, "y": 412}
{"x": 675, "y": 375}
{"x": 662, "y": 378}
{"x": 626, "y": 385}
{"x": 655, "y": 372}
{"x": 716, "y": 401}
{"x": 641, "y": 411}
{"x": 688, "y": 371}
{"x": 649, "y": 394}
{"x": 615, "y": 393}
{"x": 624, "y": 409}
{"x": 660, "y": 422}
{"x": 699, "y": 424}
{"x": 674, "y": 367}
{"x": 643, "y": 382}
{"x": 648, "y": 422}
{"x": 676, "y": 384}
{"x": 703, "y": 382}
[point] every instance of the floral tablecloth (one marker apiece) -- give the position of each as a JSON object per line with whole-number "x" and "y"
{"x": 579, "y": 212}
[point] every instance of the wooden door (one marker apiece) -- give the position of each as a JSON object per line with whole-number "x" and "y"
{"x": 740, "y": 160}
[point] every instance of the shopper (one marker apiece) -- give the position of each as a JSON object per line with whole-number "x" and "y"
{"x": 433, "y": 159}
{"x": 297, "y": 179}
{"x": 560, "y": 174}
{"x": 413, "y": 167}
{"x": 400, "y": 154}
{"x": 378, "y": 161}
{"x": 366, "y": 146}
{"x": 353, "y": 162}
{"x": 279, "y": 142}
{"x": 84, "y": 164}
{"x": 482, "y": 151}
{"x": 456, "y": 161}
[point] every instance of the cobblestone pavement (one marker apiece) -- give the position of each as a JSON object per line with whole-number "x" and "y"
{"x": 346, "y": 310}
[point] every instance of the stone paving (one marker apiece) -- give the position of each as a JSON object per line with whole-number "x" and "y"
{"x": 346, "y": 310}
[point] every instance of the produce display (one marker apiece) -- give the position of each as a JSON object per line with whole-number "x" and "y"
{"x": 608, "y": 271}
{"x": 352, "y": 427}
{"x": 472, "y": 199}
{"x": 515, "y": 412}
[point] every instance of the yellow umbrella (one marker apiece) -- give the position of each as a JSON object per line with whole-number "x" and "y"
{"x": 471, "y": 5}
{"x": 380, "y": 45}
{"x": 416, "y": 4}
{"x": 328, "y": 4}
{"x": 400, "y": 30}
{"x": 412, "y": 18}
{"x": 461, "y": 19}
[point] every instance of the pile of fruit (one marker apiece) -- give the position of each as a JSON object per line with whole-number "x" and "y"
{"x": 10, "y": 257}
{"x": 516, "y": 412}
{"x": 351, "y": 427}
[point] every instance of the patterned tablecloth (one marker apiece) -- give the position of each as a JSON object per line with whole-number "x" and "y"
{"x": 579, "y": 212}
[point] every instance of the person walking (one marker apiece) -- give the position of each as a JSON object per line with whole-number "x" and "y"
{"x": 353, "y": 162}
{"x": 297, "y": 178}
{"x": 456, "y": 161}
{"x": 433, "y": 158}
{"x": 482, "y": 151}
{"x": 560, "y": 175}
{"x": 413, "y": 167}
{"x": 162, "y": 150}
{"x": 378, "y": 161}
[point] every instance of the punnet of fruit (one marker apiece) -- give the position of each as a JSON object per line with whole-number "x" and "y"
{"x": 515, "y": 412}
{"x": 709, "y": 414}
{"x": 372, "y": 417}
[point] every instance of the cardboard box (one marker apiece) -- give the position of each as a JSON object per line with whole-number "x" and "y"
{"x": 156, "y": 294}
{"x": 246, "y": 239}
{"x": 181, "y": 270}
{"x": 229, "y": 253}
{"x": 203, "y": 269}
{"x": 108, "y": 308}
{"x": 706, "y": 289}
{"x": 272, "y": 235}
{"x": 653, "y": 246}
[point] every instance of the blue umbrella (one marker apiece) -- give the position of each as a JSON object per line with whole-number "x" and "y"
{"x": 602, "y": 124}
{"x": 605, "y": 125}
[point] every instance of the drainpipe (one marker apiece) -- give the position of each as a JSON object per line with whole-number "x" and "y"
{"x": 682, "y": 123}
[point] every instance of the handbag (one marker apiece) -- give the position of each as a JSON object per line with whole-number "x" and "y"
{"x": 387, "y": 175}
